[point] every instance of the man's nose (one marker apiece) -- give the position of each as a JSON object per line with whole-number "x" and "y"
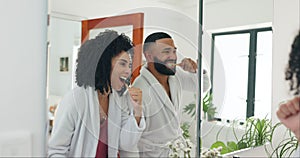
{"x": 173, "y": 55}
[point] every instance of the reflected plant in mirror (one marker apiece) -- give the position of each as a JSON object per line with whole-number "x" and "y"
{"x": 209, "y": 110}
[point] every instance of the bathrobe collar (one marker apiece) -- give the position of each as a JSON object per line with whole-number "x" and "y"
{"x": 173, "y": 104}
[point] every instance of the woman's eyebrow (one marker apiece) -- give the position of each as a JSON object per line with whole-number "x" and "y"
{"x": 124, "y": 60}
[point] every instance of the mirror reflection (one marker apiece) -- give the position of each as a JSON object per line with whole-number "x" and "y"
{"x": 180, "y": 48}
{"x": 236, "y": 55}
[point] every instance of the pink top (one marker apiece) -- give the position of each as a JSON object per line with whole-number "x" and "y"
{"x": 102, "y": 149}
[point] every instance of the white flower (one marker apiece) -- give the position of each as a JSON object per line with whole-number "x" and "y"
{"x": 180, "y": 147}
{"x": 176, "y": 141}
{"x": 211, "y": 153}
{"x": 171, "y": 155}
{"x": 186, "y": 149}
{"x": 169, "y": 143}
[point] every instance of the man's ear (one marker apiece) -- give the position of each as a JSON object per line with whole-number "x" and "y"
{"x": 148, "y": 56}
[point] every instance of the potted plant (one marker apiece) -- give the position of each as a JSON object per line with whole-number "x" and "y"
{"x": 209, "y": 110}
{"x": 285, "y": 148}
{"x": 257, "y": 133}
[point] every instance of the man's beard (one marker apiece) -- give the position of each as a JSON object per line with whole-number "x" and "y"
{"x": 161, "y": 67}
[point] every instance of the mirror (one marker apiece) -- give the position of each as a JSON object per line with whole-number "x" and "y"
{"x": 177, "y": 18}
{"x": 180, "y": 20}
{"x": 237, "y": 42}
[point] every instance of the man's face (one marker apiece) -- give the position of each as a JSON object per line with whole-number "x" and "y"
{"x": 164, "y": 56}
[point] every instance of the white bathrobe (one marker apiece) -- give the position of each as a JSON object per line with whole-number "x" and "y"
{"x": 162, "y": 115}
{"x": 77, "y": 125}
{"x": 297, "y": 152}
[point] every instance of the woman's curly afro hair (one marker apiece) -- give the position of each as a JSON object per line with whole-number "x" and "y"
{"x": 95, "y": 57}
{"x": 293, "y": 70}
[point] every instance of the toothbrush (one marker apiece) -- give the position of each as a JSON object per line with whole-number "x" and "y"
{"x": 126, "y": 84}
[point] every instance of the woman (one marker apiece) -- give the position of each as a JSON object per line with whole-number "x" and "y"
{"x": 289, "y": 112}
{"x": 96, "y": 119}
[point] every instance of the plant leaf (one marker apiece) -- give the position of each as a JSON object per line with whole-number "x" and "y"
{"x": 218, "y": 144}
{"x": 232, "y": 145}
{"x": 190, "y": 109}
{"x": 241, "y": 145}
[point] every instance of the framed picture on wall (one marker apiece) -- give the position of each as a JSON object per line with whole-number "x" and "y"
{"x": 64, "y": 64}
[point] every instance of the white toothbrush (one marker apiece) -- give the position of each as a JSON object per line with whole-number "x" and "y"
{"x": 126, "y": 84}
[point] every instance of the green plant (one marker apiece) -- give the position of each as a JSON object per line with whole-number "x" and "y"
{"x": 190, "y": 109}
{"x": 185, "y": 128}
{"x": 257, "y": 132}
{"x": 285, "y": 148}
{"x": 208, "y": 108}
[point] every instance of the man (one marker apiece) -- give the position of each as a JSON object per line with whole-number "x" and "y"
{"x": 162, "y": 82}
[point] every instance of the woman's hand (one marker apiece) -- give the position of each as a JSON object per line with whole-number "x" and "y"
{"x": 136, "y": 98}
{"x": 289, "y": 114}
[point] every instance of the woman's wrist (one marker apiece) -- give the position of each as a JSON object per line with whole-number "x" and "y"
{"x": 297, "y": 134}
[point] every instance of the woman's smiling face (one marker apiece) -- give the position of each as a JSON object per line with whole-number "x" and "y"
{"x": 120, "y": 70}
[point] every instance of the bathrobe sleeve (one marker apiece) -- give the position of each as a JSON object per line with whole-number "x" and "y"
{"x": 189, "y": 81}
{"x": 130, "y": 130}
{"x": 297, "y": 152}
{"x": 64, "y": 124}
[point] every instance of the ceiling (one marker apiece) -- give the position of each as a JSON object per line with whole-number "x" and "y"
{"x": 80, "y": 9}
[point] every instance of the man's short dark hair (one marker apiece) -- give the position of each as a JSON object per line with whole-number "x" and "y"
{"x": 153, "y": 37}
{"x": 95, "y": 57}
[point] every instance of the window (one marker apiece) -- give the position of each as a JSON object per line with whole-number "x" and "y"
{"x": 241, "y": 73}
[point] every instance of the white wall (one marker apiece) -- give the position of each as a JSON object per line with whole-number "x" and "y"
{"x": 286, "y": 25}
{"x": 63, "y": 36}
{"x": 233, "y": 13}
{"x": 23, "y": 78}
